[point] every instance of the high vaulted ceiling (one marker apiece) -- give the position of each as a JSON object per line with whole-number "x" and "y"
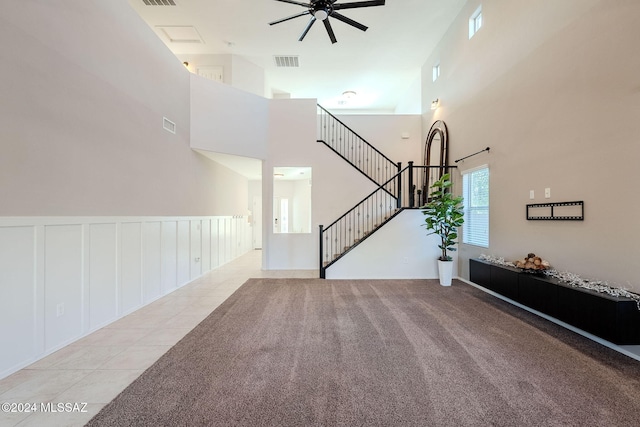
{"x": 382, "y": 65}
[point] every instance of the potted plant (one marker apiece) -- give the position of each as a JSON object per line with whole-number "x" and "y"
{"x": 443, "y": 215}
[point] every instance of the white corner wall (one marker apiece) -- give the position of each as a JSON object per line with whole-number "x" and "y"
{"x": 65, "y": 277}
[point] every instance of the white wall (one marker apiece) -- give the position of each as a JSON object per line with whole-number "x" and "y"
{"x": 337, "y": 186}
{"x": 248, "y": 76}
{"x": 85, "y": 87}
{"x": 400, "y": 249}
{"x": 552, "y": 88}
{"x": 102, "y": 209}
{"x": 237, "y": 71}
{"x": 291, "y": 143}
{"x": 228, "y": 120}
{"x": 385, "y": 132}
{"x": 302, "y": 206}
{"x": 65, "y": 277}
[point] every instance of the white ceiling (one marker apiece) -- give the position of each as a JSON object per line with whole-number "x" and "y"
{"x": 380, "y": 65}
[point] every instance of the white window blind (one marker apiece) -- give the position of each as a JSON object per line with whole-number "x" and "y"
{"x": 475, "y": 189}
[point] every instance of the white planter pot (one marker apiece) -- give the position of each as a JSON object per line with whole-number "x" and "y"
{"x": 445, "y": 272}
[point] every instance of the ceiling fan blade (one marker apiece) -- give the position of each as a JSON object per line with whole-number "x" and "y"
{"x": 354, "y": 5}
{"x": 349, "y": 21}
{"x": 307, "y": 28}
{"x": 332, "y": 36}
{"x": 291, "y": 17}
{"x": 296, "y": 2}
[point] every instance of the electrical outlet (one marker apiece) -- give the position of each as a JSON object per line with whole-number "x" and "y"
{"x": 547, "y": 193}
{"x": 59, "y": 310}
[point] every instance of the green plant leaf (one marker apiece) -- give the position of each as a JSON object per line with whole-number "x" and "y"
{"x": 444, "y": 214}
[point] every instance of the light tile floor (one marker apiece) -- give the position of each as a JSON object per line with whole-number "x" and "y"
{"x": 97, "y": 367}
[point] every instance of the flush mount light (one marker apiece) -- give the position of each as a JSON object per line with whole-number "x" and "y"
{"x": 348, "y": 94}
{"x": 435, "y": 104}
{"x": 321, "y": 14}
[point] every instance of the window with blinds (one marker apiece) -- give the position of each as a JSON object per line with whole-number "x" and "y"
{"x": 475, "y": 189}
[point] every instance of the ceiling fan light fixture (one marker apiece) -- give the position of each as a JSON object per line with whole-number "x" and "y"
{"x": 321, "y": 14}
{"x": 322, "y": 10}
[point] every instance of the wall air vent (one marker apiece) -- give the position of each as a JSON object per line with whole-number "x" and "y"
{"x": 159, "y": 2}
{"x": 168, "y": 125}
{"x": 287, "y": 61}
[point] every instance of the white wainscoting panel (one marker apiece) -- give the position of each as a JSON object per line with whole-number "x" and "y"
{"x": 130, "y": 267}
{"x": 169, "y": 256}
{"x": 196, "y": 249}
{"x": 221, "y": 241}
{"x": 17, "y": 290}
{"x": 215, "y": 243}
{"x": 103, "y": 274}
{"x": 184, "y": 263}
{"x": 228, "y": 231}
{"x": 62, "y": 278}
{"x": 63, "y": 282}
{"x": 152, "y": 261}
{"x": 206, "y": 245}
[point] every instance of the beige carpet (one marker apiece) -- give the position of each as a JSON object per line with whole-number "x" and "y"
{"x": 305, "y": 352}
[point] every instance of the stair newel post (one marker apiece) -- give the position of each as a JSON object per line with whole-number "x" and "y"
{"x": 399, "y": 184}
{"x": 322, "y": 272}
{"x": 410, "y": 186}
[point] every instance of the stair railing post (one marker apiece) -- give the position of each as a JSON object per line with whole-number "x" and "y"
{"x": 322, "y": 270}
{"x": 399, "y": 202}
{"x": 410, "y": 186}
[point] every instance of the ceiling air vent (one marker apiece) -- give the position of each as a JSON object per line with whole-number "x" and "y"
{"x": 159, "y": 2}
{"x": 287, "y": 61}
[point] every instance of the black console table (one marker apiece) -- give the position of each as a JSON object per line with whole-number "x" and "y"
{"x": 615, "y": 319}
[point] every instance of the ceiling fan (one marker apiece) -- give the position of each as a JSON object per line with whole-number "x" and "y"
{"x": 323, "y": 9}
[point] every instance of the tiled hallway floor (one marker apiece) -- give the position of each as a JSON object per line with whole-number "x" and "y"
{"x": 96, "y": 368}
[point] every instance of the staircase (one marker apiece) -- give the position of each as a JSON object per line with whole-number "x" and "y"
{"x": 352, "y": 148}
{"x": 396, "y": 189}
